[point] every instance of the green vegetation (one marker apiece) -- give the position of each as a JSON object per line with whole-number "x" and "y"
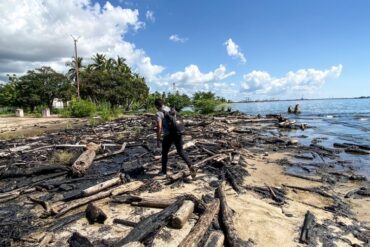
{"x": 207, "y": 102}
{"x": 38, "y": 87}
{"x": 62, "y": 158}
{"x": 108, "y": 87}
{"x": 81, "y": 108}
{"x": 107, "y": 112}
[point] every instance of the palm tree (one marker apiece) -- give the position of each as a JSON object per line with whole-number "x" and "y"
{"x": 99, "y": 62}
{"x": 71, "y": 73}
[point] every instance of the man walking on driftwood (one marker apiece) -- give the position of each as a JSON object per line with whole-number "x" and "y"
{"x": 172, "y": 131}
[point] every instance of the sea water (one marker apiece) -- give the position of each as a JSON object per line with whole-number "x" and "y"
{"x": 332, "y": 121}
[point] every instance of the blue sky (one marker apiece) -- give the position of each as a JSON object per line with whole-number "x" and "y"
{"x": 276, "y": 49}
{"x": 275, "y": 36}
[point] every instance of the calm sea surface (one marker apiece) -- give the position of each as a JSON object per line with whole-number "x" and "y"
{"x": 340, "y": 121}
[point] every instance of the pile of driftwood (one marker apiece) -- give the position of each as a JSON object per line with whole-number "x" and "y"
{"x": 67, "y": 173}
{"x": 113, "y": 159}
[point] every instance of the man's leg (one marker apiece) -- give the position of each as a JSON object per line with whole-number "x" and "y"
{"x": 178, "y": 143}
{"x": 166, "y": 144}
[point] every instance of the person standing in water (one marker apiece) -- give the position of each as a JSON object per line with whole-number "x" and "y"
{"x": 169, "y": 138}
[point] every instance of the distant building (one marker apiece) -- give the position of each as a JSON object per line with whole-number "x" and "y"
{"x": 58, "y": 104}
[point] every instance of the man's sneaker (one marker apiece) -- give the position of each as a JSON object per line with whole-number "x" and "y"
{"x": 193, "y": 171}
{"x": 162, "y": 174}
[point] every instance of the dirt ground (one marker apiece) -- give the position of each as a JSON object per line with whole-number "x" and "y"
{"x": 21, "y": 127}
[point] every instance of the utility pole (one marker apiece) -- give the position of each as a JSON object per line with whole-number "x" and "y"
{"x": 76, "y": 66}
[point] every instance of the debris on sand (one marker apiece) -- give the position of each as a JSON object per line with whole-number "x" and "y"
{"x": 254, "y": 186}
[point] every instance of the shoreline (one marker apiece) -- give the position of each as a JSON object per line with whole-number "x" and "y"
{"x": 283, "y": 100}
{"x": 268, "y": 197}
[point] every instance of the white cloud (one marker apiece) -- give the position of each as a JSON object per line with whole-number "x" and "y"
{"x": 193, "y": 76}
{"x": 191, "y": 79}
{"x": 177, "y": 39}
{"x": 302, "y": 81}
{"x": 38, "y": 33}
{"x": 233, "y": 50}
{"x": 150, "y": 16}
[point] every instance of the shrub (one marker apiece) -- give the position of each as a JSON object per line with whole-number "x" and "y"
{"x": 81, "y": 108}
{"x": 205, "y": 106}
{"x": 106, "y": 112}
{"x": 65, "y": 112}
{"x": 208, "y": 102}
{"x": 178, "y": 101}
{"x": 63, "y": 158}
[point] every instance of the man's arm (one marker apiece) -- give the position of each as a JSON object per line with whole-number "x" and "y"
{"x": 159, "y": 132}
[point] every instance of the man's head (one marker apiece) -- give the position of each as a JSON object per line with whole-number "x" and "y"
{"x": 158, "y": 103}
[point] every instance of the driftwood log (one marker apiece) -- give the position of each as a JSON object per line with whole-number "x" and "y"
{"x": 226, "y": 215}
{"x": 153, "y": 202}
{"x": 150, "y": 225}
{"x": 106, "y": 155}
{"x": 183, "y": 214}
{"x": 125, "y": 222}
{"x": 46, "y": 240}
{"x": 306, "y": 232}
{"x": 201, "y": 227}
{"x": 77, "y": 240}
{"x": 217, "y": 157}
{"x": 215, "y": 239}
{"x": 124, "y": 188}
{"x": 134, "y": 244}
{"x": 102, "y": 186}
{"x": 185, "y": 146}
{"x": 95, "y": 214}
{"x": 82, "y": 164}
{"x": 236, "y": 159}
{"x": 42, "y": 169}
{"x": 179, "y": 175}
{"x": 64, "y": 208}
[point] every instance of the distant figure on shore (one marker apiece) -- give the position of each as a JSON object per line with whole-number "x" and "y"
{"x": 290, "y": 109}
{"x": 296, "y": 109}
